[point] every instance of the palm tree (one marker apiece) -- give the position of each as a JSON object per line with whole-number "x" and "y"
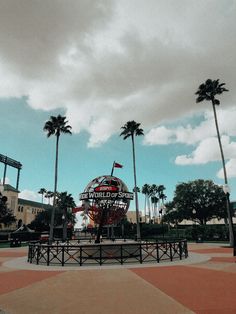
{"x": 154, "y": 200}
{"x": 145, "y": 191}
{"x": 49, "y": 195}
{"x": 42, "y": 191}
{"x": 207, "y": 91}
{"x": 136, "y": 189}
{"x": 56, "y": 126}
{"x": 132, "y": 129}
{"x": 152, "y": 196}
{"x": 161, "y": 196}
{"x": 65, "y": 202}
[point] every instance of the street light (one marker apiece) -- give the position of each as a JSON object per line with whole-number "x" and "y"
{"x": 194, "y": 213}
{"x": 226, "y": 190}
{"x": 63, "y": 228}
{"x": 194, "y": 234}
{"x": 174, "y": 210}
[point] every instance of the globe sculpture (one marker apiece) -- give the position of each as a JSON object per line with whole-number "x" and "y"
{"x": 106, "y": 200}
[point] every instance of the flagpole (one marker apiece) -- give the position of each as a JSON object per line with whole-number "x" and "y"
{"x": 112, "y": 168}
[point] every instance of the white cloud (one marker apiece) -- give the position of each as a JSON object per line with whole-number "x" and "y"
{"x": 123, "y": 60}
{"x": 191, "y": 135}
{"x": 206, "y": 151}
{"x": 203, "y": 138}
{"x": 230, "y": 169}
{"x": 29, "y": 195}
{"x": 158, "y": 136}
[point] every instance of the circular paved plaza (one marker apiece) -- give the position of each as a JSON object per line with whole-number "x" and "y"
{"x": 203, "y": 283}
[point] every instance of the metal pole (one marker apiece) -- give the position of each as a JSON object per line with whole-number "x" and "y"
{"x": 5, "y": 172}
{"x": 112, "y": 170}
{"x": 231, "y": 225}
{"x": 18, "y": 179}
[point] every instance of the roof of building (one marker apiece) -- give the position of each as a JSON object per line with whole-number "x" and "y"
{"x": 8, "y": 187}
{"x": 22, "y": 202}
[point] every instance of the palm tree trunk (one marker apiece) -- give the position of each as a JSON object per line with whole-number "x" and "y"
{"x": 145, "y": 209}
{"x": 220, "y": 144}
{"x": 54, "y": 194}
{"x": 149, "y": 209}
{"x": 136, "y": 193}
{"x": 231, "y": 229}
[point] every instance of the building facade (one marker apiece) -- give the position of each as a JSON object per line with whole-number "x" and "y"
{"x": 24, "y": 211}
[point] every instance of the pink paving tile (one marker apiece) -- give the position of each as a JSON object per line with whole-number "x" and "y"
{"x": 11, "y": 281}
{"x": 213, "y": 250}
{"x": 201, "y": 290}
{"x": 12, "y": 254}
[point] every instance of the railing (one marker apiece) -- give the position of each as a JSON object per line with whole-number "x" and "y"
{"x": 102, "y": 254}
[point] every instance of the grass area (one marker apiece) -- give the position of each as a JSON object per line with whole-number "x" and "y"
{"x": 7, "y": 244}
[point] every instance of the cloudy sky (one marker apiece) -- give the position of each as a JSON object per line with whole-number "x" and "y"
{"x": 103, "y": 63}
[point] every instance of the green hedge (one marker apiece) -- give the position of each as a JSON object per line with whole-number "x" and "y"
{"x": 205, "y": 232}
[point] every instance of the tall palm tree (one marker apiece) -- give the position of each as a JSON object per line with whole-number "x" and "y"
{"x": 132, "y": 129}
{"x": 42, "y": 191}
{"x": 207, "y": 91}
{"x": 145, "y": 191}
{"x": 154, "y": 200}
{"x": 161, "y": 196}
{"x": 49, "y": 195}
{"x": 56, "y": 126}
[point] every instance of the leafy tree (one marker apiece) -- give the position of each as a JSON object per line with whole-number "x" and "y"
{"x": 208, "y": 91}
{"x": 56, "y": 126}
{"x": 132, "y": 129}
{"x": 42, "y": 220}
{"x": 6, "y": 215}
{"x": 64, "y": 202}
{"x": 172, "y": 215}
{"x": 199, "y": 200}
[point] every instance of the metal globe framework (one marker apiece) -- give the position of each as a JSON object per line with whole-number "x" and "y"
{"x": 106, "y": 200}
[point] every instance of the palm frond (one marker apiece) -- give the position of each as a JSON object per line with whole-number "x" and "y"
{"x": 209, "y": 89}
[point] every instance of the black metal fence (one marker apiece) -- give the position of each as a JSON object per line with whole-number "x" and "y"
{"x": 70, "y": 254}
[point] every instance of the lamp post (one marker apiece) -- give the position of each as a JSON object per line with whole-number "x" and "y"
{"x": 63, "y": 228}
{"x": 174, "y": 210}
{"x": 226, "y": 190}
{"x": 194, "y": 225}
{"x": 194, "y": 213}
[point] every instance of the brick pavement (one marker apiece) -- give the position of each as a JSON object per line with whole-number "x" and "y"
{"x": 208, "y": 286}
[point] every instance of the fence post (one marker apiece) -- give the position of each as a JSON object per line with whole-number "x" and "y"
{"x": 48, "y": 254}
{"x": 30, "y": 254}
{"x": 180, "y": 249}
{"x": 80, "y": 256}
{"x": 38, "y": 251}
{"x": 63, "y": 255}
{"x": 157, "y": 248}
{"x": 121, "y": 254}
{"x": 140, "y": 253}
{"x": 171, "y": 253}
{"x": 185, "y": 248}
{"x": 100, "y": 254}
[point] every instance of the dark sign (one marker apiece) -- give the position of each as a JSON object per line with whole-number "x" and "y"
{"x": 105, "y": 188}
